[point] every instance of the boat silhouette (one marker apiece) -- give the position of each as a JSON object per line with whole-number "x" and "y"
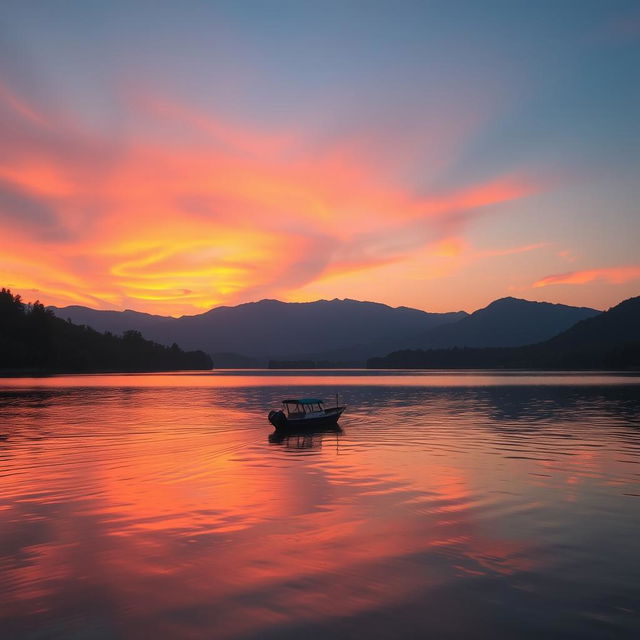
{"x": 301, "y": 413}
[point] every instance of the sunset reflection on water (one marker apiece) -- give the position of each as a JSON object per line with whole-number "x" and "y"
{"x": 158, "y": 506}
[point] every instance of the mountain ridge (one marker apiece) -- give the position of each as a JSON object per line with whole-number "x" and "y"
{"x": 505, "y": 322}
{"x": 339, "y": 330}
{"x": 270, "y": 329}
{"x": 608, "y": 340}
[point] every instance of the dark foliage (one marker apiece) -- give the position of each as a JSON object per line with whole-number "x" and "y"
{"x": 31, "y": 337}
{"x": 610, "y": 340}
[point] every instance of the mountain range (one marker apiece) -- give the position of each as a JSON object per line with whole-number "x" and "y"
{"x": 507, "y": 322}
{"x": 346, "y": 332}
{"x": 610, "y": 340}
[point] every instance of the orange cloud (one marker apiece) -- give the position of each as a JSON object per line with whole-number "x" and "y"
{"x": 450, "y": 248}
{"x": 196, "y": 211}
{"x": 614, "y": 275}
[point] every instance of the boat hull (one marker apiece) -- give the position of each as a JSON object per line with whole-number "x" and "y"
{"x": 281, "y": 421}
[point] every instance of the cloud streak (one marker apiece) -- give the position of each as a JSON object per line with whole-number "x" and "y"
{"x": 612, "y": 275}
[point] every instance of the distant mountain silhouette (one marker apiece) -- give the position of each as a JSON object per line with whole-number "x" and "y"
{"x": 507, "y": 322}
{"x": 113, "y": 321}
{"x": 618, "y": 325}
{"x": 610, "y": 340}
{"x": 32, "y": 338}
{"x": 328, "y": 330}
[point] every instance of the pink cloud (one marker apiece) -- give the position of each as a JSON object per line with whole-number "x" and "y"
{"x": 614, "y": 275}
{"x": 195, "y": 211}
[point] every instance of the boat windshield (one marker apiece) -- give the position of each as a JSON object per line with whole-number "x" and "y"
{"x": 302, "y": 407}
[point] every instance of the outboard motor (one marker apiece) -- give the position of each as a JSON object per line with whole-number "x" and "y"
{"x": 277, "y": 418}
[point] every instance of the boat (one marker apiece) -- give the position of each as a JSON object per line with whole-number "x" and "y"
{"x": 300, "y": 413}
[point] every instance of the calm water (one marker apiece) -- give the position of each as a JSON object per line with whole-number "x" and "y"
{"x": 450, "y": 506}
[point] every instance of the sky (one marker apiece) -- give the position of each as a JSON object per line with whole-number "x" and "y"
{"x": 174, "y": 157}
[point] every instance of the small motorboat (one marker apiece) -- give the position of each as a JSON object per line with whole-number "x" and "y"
{"x": 300, "y": 413}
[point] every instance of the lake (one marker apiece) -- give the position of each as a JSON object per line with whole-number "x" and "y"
{"x": 451, "y": 505}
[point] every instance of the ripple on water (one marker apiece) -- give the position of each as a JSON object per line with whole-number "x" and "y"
{"x": 447, "y": 506}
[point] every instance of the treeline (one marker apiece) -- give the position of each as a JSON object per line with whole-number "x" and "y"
{"x": 624, "y": 356}
{"x": 610, "y": 340}
{"x": 33, "y": 338}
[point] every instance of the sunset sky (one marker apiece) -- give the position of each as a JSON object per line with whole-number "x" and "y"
{"x": 173, "y": 157}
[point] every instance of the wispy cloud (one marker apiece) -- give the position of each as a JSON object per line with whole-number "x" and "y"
{"x": 613, "y": 275}
{"x": 515, "y": 250}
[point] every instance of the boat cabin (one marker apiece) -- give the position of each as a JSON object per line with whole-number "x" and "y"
{"x": 301, "y": 407}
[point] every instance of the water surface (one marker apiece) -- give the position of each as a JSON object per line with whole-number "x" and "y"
{"x": 451, "y": 505}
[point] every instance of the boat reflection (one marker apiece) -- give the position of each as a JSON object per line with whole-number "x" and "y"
{"x": 309, "y": 438}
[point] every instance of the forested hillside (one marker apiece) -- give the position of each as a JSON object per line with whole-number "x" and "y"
{"x": 33, "y": 338}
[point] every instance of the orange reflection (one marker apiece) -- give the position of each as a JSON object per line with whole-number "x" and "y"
{"x": 165, "y": 499}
